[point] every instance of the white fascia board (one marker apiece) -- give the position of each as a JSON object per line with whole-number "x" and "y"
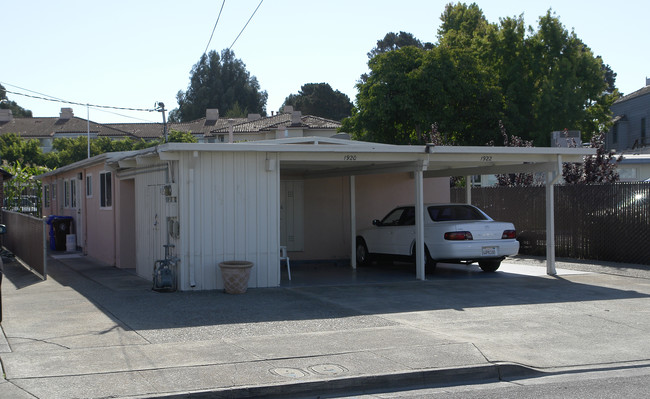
{"x": 273, "y": 146}
{"x": 491, "y": 170}
{"x": 84, "y": 163}
{"x": 506, "y": 150}
{"x": 350, "y": 157}
{"x": 490, "y": 156}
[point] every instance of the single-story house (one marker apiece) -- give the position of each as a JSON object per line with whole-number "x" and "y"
{"x": 242, "y": 201}
{"x": 209, "y": 129}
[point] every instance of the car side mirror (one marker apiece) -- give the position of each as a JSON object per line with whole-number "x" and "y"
{"x": 3, "y": 229}
{"x": 376, "y": 222}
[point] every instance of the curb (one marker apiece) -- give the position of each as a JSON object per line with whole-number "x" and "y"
{"x": 367, "y": 384}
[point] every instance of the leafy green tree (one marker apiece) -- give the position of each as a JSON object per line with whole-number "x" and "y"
{"x": 461, "y": 25}
{"x": 176, "y": 136}
{"x": 69, "y": 150}
{"x": 16, "y": 110}
{"x": 393, "y": 41}
{"x": 219, "y": 81}
{"x": 479, "y": 74}
{"x": 568, "y": 79}
{"x": 320, "y": 99}
{"x": 236, "y": 111}
{"x": 409, "y": 89}
{"x": 23, "y": 192}
{"x": 14, "y": 149}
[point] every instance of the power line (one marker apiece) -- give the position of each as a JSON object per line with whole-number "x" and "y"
{"x": 31, "y": 91}
{"x": 215, "y": 27}
{"x": 242, "y": 29}
{"x": 54, "y": 99}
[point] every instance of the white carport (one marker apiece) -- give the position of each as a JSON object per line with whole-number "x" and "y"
{"x": 330, "y": 157}
{"x": 251, "y": 172}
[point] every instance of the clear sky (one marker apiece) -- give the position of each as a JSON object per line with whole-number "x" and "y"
{"x": 135, "y": 53}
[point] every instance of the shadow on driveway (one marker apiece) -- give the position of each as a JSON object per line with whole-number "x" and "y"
{"x": 337, "y": 299}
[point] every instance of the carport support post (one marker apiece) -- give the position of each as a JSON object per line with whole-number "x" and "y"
{"x": 353, "y": 222}
{"x": 419, "y": 226}
{"x": 550, "y": 217}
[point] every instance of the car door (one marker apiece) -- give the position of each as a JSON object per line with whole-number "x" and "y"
{"x": 403, "y": 234}
{"x": 394, "y": 233}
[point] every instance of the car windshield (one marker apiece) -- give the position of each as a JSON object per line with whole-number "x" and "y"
{"x": 441, "y": 213}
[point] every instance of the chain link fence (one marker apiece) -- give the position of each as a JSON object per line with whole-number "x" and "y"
{"x": 608, "y": 222}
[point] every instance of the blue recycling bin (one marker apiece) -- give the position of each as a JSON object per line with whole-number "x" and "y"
{"x": 60, "y": 227}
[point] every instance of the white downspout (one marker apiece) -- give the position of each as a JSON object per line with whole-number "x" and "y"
{"x": 192, "y": 243}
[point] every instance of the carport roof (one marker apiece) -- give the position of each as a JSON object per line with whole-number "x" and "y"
{"x": 326, "y": 157}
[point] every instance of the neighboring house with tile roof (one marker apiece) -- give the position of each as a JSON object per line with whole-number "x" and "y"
{"x": 210, "y": 129}
{"x": 45, "y": 130}
{"x": 630, "y": 128}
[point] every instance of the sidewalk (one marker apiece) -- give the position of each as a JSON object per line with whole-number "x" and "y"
{"x": 92, "y": 331}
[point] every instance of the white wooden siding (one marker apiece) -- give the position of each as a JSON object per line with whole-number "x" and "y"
{"x": 151, "y": 213}
{"x": 236, "y": 207}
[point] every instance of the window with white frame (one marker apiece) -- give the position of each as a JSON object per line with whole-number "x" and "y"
{"x": 89, "y": 186}
{"x": 73, "y": 193}
{"x": 105, "y": 190}
{"x": 66, "y": 193}
{"x": 46, "y": 195}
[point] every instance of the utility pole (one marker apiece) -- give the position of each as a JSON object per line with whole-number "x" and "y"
{"x": 161, "y": 108}
{"x": 88, "y": 127}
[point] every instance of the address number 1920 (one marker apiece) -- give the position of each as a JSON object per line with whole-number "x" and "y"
{"x": 349, "y": 157}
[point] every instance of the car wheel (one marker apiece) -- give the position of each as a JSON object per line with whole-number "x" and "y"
{"x": 363, "y": 257}
{"x": 429, "y": 263}
{"x": 489, "y": 265}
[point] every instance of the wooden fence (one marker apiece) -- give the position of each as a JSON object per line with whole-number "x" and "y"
{"x": 26, "y": 239}
{"x": 609, "y": 222}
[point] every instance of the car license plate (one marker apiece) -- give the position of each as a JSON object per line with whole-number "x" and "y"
{"x": 489, "y": 251}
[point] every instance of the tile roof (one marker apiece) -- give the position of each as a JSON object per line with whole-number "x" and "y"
{"x": 279, "y": 121}
{"x": 138, "y": 130}
{"x": 45, "y": 127}
{"x": 638, "y": 93}
{"x": 48, "y": 127}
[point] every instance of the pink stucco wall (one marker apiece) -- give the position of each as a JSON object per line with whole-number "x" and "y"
{"x": 94, "y": 226}
{"x": 327, "y": 208}
{"x": 125, "y": 224}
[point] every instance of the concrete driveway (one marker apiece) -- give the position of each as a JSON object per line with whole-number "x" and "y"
{"x": 95, "y": 331}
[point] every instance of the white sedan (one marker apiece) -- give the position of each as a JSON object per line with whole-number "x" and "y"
{"x": 453, "y": 233}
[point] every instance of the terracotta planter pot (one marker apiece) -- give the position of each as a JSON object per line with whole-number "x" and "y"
{"x": 235, "y": 274}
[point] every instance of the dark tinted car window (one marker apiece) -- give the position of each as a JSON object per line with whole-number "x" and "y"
{"x": 441, "y": 213}
{"x": 400, "y": 217}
